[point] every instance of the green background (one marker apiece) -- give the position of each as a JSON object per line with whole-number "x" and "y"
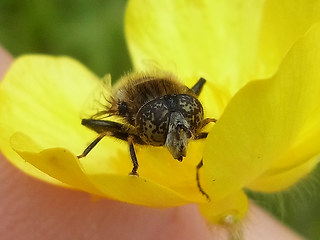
{"x": 92, "y": 32}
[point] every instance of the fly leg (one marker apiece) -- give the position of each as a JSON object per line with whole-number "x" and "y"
{"x": 207, "y": 120}
{"x": 92, "y": 145}
{"x": 200, "y": 164}
{"x": 117, "y": 130}
{"x": 133, "y": 157}
{"x": 198, "y": 86}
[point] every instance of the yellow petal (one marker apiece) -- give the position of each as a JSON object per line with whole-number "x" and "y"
{"x": 237, "y": 41}
{"x": 56, "y": 162}
{"x": 282, "y": 24}
{"x": 61, "y": 164}
{"x": 43, "y": 97}
{"x": 278, "y": 179}
{"x": 157, "y": 167}
{"x": 265, "y": 121}
{"x": 229, "y": 210}
{"x": 216, "y": 40}
{"x": 137, "y": 190}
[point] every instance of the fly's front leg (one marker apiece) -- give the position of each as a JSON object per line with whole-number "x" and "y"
{"x": 92, "y": 145}
{"x": 133, "y": 157}
{"x": 200, "y": 164}
{"x": 207, "y": 121}
{"x": 104, "y": 128}
{"x": 117, "y": 130}
{"x": 203, "y": 135}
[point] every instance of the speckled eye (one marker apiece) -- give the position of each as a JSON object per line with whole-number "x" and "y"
{"x": 191, "y": 109}
{"x": 152, "y": 122}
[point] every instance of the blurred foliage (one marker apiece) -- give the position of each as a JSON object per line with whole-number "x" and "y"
{"x": 298, "y": 207}
{"x": 92, "y": 32}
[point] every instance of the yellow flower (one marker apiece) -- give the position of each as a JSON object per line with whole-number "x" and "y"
{"x": 267, "y": 135}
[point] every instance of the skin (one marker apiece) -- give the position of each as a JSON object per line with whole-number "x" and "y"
{"x": 31, "y": 209}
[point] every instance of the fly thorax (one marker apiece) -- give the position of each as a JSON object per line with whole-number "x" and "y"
{"x": 178, "y": 135}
